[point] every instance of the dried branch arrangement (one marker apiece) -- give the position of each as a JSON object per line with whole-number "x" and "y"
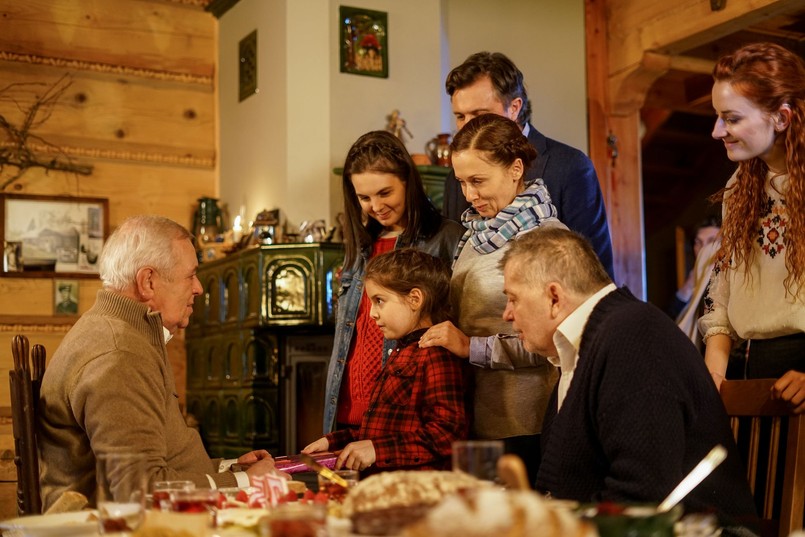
{"x": 21, "y": 148}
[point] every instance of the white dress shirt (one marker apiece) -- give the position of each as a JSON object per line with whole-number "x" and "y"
{"x": 567, "y": 340}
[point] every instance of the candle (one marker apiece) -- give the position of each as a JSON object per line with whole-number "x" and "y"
{"x": 237, "y": 230}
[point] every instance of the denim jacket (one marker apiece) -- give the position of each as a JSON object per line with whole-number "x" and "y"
{"x": 441, "y": 245}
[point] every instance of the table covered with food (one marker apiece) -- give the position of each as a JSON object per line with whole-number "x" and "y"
{"x": 404, "y": 503}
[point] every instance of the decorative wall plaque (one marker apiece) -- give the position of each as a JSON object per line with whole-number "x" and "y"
{"x": 364, "y": 41}
{"x": 247, "y": 51}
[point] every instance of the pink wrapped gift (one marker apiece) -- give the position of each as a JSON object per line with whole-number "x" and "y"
{"x": 290, "y": 464}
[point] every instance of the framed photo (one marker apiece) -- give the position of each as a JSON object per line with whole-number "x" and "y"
{"x": 65, "y": 297}
{"x": 364, "y": 41}
{"x": 52, "y": 235}
{"x": 247, "y": 66}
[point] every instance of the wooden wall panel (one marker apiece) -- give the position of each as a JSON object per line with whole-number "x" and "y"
{"x": 130, "y": 34}
{"x": 131, "y": 187}
{"x": 35, "y": 296}
{"x": 124, "y": 116}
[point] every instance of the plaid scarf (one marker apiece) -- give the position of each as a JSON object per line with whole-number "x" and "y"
{"x": 527, "y": 211}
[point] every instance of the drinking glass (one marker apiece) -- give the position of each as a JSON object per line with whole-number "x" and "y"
{"x": 197, "y": 501}
{"x": 160, "y": 499}
{"x": 477, "y": 457}
{"x": 122, "y": 484}
{"x": 295, "y": 519}
{"x": 335, "y": 491}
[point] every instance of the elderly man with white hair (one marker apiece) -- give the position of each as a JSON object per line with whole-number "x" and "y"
{"x": 110, "y": 387}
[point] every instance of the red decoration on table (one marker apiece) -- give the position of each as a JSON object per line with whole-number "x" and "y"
{"x": 291, "y": 464}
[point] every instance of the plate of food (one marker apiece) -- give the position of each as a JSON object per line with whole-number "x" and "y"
{"x": 76, "y": 524}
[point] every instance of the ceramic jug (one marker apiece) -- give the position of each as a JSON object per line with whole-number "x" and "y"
{"x": 439, "y": 149}
{"x": 208, "y": 221}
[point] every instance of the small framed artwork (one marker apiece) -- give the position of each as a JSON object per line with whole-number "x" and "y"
{"x": 65, "y": 297}
{"x": 12, "y": 256}
{"x": 364, "y": 41}
{"x": 47, "y": 236}
{"x": 247, "y": 66}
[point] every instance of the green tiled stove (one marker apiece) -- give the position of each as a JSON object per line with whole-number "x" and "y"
{"x": 258, "y": 346}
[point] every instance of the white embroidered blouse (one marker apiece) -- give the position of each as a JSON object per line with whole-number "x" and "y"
{"x": 756, "y": 306}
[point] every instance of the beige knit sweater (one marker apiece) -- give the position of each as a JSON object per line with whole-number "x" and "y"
{"x": 110, "y": 387}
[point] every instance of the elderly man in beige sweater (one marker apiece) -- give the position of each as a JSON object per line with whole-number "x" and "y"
{"x": 110, "y": 387}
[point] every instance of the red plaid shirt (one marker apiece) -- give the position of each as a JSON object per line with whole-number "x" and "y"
{"x": 417, "y": 409}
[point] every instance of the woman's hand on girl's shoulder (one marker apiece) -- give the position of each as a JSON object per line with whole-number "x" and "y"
{"x": 448, "y": 336}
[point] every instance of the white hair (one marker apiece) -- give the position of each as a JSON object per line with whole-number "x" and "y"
{"x": 140, "y": 241}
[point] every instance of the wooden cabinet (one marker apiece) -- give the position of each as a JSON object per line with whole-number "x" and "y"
{"x": 258, "y": 347}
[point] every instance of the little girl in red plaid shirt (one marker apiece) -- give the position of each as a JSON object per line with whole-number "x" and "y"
{"x": 417, "y": 409}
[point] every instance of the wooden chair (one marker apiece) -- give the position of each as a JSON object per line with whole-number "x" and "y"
{"x": 772, "y": 428}
{"x": 25, "y": 380}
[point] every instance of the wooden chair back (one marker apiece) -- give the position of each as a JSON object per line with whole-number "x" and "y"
{"x": 25, "y": 379}
{"x": 769, "y": 435}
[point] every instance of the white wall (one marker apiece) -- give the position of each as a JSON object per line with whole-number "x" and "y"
{"x": 253, "y": 132}
{"x": 278, "y": 147}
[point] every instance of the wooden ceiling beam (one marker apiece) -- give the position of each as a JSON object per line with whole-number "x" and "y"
{"x": 674, "y": 27}
{"x": 628, "y": 89}
{"x": 645, "y": 39}
{"x": 691, "y": 64}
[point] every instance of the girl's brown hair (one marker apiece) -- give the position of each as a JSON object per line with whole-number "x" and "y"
{"x": 402, "y": 270}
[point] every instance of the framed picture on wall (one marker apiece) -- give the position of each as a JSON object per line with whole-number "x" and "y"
{"x": 52, "y": 235}
{"x": 364, "y": 41}
{"x": 65, "y": 297}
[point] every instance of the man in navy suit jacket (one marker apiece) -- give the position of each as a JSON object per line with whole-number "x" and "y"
{"x": 491, "y": 83}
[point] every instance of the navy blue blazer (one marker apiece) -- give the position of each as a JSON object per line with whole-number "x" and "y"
{"x": 573, "y": 185}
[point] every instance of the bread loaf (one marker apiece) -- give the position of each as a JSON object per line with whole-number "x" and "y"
{"x": 405, "y": 489}
{"x": 383, "y": 503}
{"x": 68, "y": 502}
{"x": 501, "y": 513}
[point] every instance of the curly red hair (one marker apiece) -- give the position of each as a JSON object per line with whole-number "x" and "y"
{"x": 770, "y": 76}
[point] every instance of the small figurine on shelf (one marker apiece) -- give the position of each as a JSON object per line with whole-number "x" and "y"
{"x": 267, "y": 228}
{"x": 315, "y": 231}
{"x": 395, "y": 124}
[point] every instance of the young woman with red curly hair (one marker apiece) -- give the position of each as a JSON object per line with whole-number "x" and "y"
{"x": 756, "y": 292}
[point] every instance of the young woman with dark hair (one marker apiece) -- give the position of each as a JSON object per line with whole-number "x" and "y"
{"x": 385, "y": 208}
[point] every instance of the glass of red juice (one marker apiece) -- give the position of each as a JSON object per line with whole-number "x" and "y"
{"x": 160, "y": 497}
{"x": 196, "y": 501}
{"x": 296, "y": 519}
